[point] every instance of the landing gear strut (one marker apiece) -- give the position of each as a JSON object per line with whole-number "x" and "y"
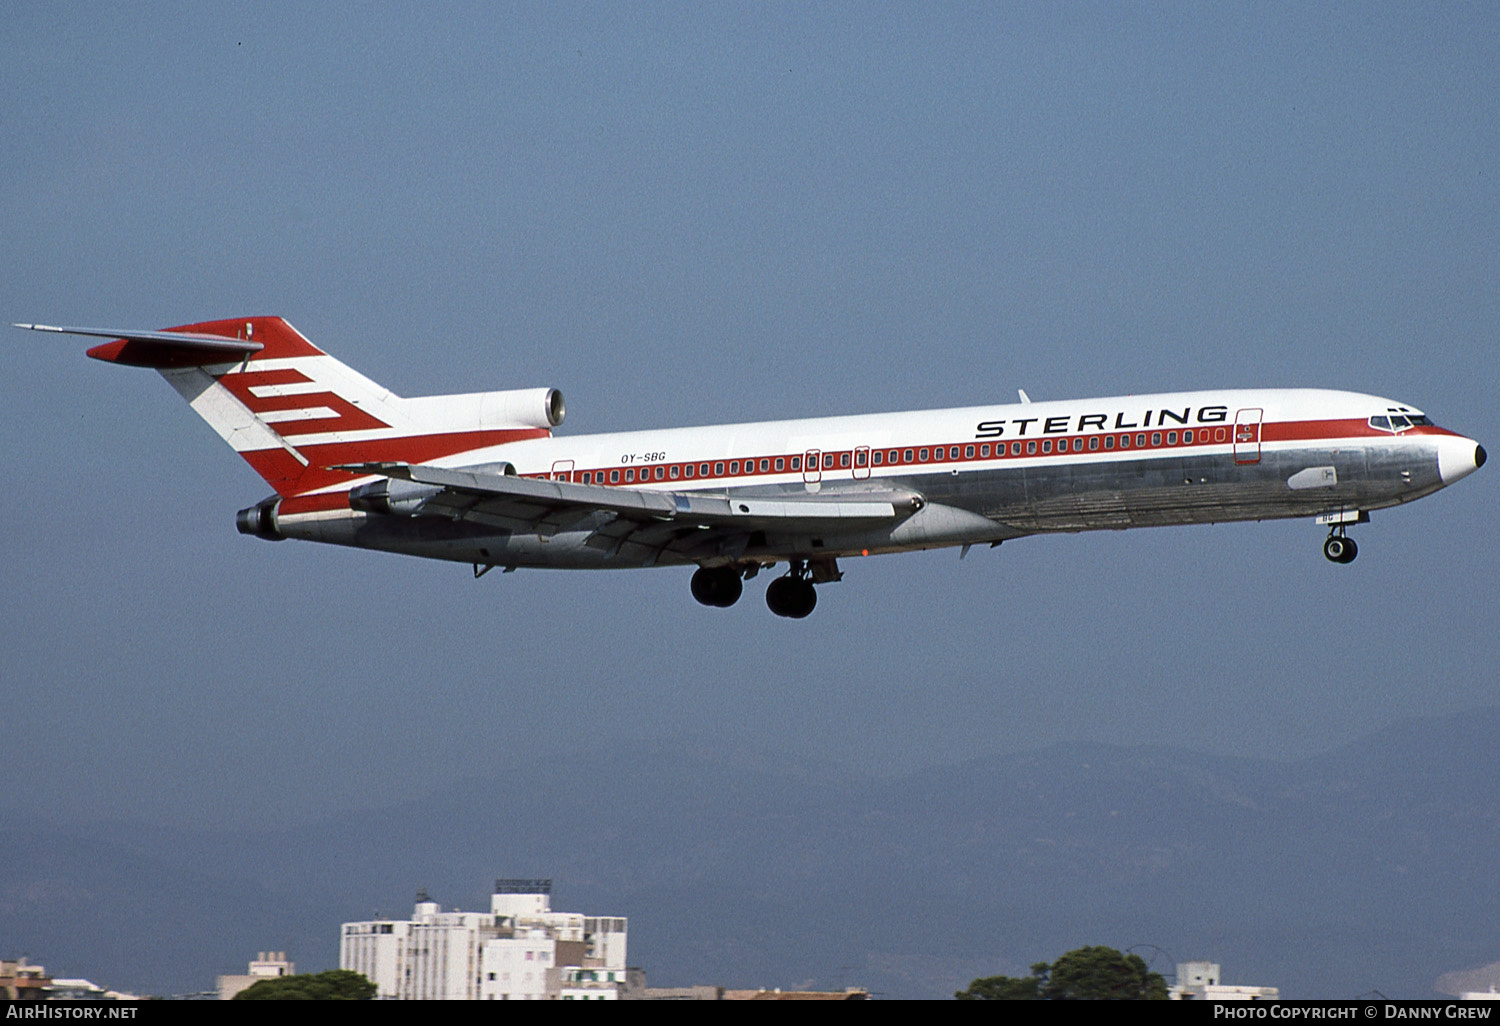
{"x": 1338, "y": 548}
{"x": 793, "y": 595}
{"x": 717, "y": 586}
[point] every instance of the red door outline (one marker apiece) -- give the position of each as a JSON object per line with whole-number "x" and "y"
{"x": 1247, "y": 435}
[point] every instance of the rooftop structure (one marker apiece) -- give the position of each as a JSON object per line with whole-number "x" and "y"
{"x": 1201, "y": 981}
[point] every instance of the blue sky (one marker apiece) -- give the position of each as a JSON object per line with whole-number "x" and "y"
{"x": 685, "y": 214}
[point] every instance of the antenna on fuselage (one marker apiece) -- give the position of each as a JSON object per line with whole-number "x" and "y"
{"x": 1024, "y": 397}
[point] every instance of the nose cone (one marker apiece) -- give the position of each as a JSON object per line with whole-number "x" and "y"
{"x": 1459, "y": 457}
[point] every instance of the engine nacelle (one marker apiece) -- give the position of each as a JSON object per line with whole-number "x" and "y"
{"x": 391, "y": 497}
{"x": 260, "y": 520}
{"x": 485, "y": 411}
{"x": 534, "y": 407}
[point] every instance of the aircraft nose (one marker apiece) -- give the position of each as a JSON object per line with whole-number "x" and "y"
{"x": 1459, "y": 457}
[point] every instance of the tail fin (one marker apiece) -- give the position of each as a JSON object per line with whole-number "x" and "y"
{"x": 292, "y": 411}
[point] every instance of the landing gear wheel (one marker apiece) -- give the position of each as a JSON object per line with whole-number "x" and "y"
{"x": 717, "y": 586}
{"x": 1340, "y": 549}
{"x": 790, "y": 597}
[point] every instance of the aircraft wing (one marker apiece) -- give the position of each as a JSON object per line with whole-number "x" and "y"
{"x": 694, "y": 523}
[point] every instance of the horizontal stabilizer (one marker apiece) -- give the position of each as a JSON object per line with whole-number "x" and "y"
{"x": 159, "y": 348}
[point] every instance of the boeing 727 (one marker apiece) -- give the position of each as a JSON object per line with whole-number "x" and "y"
{"x": 480, "y": 478}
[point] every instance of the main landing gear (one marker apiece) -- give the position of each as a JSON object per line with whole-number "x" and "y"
{"x": 792, "y": 596}
{"x": 717, "y": 586}
{"x": 1338, "y": 548}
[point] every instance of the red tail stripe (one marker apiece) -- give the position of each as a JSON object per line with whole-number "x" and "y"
{"x": 348, "y": 417}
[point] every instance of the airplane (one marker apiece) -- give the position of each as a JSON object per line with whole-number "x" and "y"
{"x": 480, "y": 478}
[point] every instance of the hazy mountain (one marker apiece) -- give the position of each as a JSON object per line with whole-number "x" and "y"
{"x": 1371, "y": 866}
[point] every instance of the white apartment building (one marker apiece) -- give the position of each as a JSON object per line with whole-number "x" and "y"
{"x": 519, "y": 950}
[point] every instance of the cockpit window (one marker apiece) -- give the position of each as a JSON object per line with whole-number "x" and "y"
{"x": 1399, "y": 422}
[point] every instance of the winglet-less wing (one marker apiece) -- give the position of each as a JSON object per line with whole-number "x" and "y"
{"x": 159, "y": 348}
{"x": 487, "y": 495}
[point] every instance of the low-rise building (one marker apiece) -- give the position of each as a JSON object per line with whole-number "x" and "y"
{"x": 20, "y": 981}
{"x": 268, "y": 966}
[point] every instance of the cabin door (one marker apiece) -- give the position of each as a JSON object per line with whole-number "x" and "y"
{"x": 1247, "y": 436}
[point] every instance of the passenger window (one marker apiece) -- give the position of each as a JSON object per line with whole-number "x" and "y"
{"x": 1171, "y": 437}
{"x": 675, "y": 471}
{"x": 614, "y": 477}
{"x": 780, "y": 463}
{"x": 861, "y": 458}
{"x": 630, "y": 475}
{"x": 734, "y": 467}
{"x": 1140, "y": 440}
{"x": 765, "y": 465}
{"x": 1218, "y": 434}
{"x": 1078, "y": 445}
{"x": 906, "y": 456}
{"x": 843, "y": 459}
{"x": 1187, "y": 438}
{"x": 922, "y": 455}
{"x": 586, "y": 477}
{"x": 796, "y": 462}
{"x": 1124, "y": 441}
{"x": 687, "y": 471}
{"x": 1015, "y": 448}
{"x": 1109, "y": 441}
{"x": 878, "y": 457}
{"x": 1156, "y": 438}
{"x": 984, "y": 451}
{"x": 1093, "y": 443}
{"x": 828, "y": 461}
{"x": 1046, "y": 445}
{"x": 718, "y": 470}
{"x": 703, "y": 470}
{"x": 661, "y": 472}
{"x": 1030, "y": 448}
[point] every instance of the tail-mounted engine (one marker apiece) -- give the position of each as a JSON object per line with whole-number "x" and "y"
{"x": 260, "y": 520}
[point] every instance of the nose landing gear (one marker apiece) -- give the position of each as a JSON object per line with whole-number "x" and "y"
{"x": 1338, "y": 548}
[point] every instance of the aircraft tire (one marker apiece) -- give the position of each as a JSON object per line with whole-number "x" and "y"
{"x": 1339, "y": 549}
{"x": 718, "y": 586}
{"x": 791, "y": 598}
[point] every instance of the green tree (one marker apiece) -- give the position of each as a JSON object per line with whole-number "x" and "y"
{"x": 334, "y": 985}
{"x": 1083, "y": 974}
